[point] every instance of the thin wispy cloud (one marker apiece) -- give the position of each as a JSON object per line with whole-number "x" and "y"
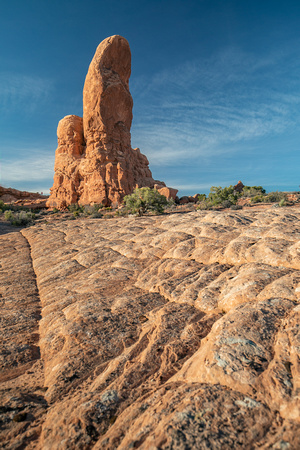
{"x": 37, "y": 167}
{"x": 19, "y": 90}
{"x": 209, "y": 105}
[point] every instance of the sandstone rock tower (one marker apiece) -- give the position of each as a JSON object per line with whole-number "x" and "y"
{"x": 94, "y": 161}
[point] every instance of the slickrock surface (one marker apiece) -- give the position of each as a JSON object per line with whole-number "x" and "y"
{"x": 94, "y": 161}
{"x": 165, "y": 332}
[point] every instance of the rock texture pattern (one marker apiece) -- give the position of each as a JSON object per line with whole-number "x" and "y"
{"x": 172, "y": 332}
{"x": 94, "y": 161}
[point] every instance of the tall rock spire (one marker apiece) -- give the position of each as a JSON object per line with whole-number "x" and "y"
{"x": 94, "y": 161}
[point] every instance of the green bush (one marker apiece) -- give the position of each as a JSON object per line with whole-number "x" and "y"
{"x": 121, "y": 212}
{"x": 252, "y": 191}
{"x": 9, "y": 207}
{"x": 4, "y": 207}
{"x": 219, "y": 195}
{"x": 227, "y": 197}
{"x": 275, "y": 197}
{"x": 19, "y": 219}
{"x": 96, "y": 215}
{"x": 8, "y": 215}
{"x": 87, "y": 210}
{"x": 236, "y": 207}
{"x": 227, "y": 204}
{"x": 145, "y": 200}
{"x": 257, "y": 199}
{"x": 205, "y": 205}
{"x": 91, "y": 210}
{"x": 201, "y": 198}
{"x": 74, "y": 207}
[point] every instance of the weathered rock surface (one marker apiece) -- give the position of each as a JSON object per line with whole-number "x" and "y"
{"x": 174, "y": 331}
{"x": 94, "y": 161}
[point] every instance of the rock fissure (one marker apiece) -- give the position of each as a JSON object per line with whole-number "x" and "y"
{"x": 21, "y": 373}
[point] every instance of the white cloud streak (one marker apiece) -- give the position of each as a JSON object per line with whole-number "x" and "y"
{"x": 22, "y": 92}
{"x": 38, "y": 166}
{"x": 208, "y": 107}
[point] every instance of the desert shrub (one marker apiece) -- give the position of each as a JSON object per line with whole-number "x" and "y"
{"x": 96, "y": 215}
{"x": 275, "y": 197}
{"x": 227, "y": 197}
{"x": 9, "y": 207}
{"x": 144, "y": 200}
{"x": 171, "y": 203}
{"x": 205, "y": 205}
{"x": 93, "y": 211}
{"x": 74, "y": 207}
{"x": 8, "y": 215}
{"x": 121, "y": 212}
{"x": 257, "y": 199}
{"x": 219, "y": 195}
{"x": 108, "y": 215}
{"x": 4, "y": 207}
{"x": 89, "y": 210}
{"x": 226, "y": 204}
{"x": 86, "y": 210}
{"x": 201, "y": 198}
{"x": 236, "y": 207}
{"x": 19, "y": 219}
{"x": 252, "y": 191}
{"x": 282, "y": 202}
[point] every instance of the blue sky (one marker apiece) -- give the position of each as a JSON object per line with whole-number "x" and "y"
{"x": 215, "y": 85}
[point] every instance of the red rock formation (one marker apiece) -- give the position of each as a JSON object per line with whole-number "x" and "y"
{"x": 24, "y": 198}
{"x": 169, "y": 193}
{"x": 239, "y": 186}
{"x": 94, "y": 160}
{"x": 65, "y": 190}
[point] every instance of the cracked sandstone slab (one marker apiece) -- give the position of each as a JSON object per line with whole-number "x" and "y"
{"x": 144, "y": 343}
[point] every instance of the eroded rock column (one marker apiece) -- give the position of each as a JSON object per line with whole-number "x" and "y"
{"x": 94, "y": 162}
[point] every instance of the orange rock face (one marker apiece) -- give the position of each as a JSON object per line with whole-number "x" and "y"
{"x": 94, "y": 161}
{"x": 169, "y": 193}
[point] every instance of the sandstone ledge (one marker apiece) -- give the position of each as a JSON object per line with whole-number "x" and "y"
{"x": 174, "y": 331}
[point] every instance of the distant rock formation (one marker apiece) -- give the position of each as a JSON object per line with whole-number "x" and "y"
{"x": 23, "y": 198}
{"x": 94, "y": 161}
{"x": 239, "y": 186}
